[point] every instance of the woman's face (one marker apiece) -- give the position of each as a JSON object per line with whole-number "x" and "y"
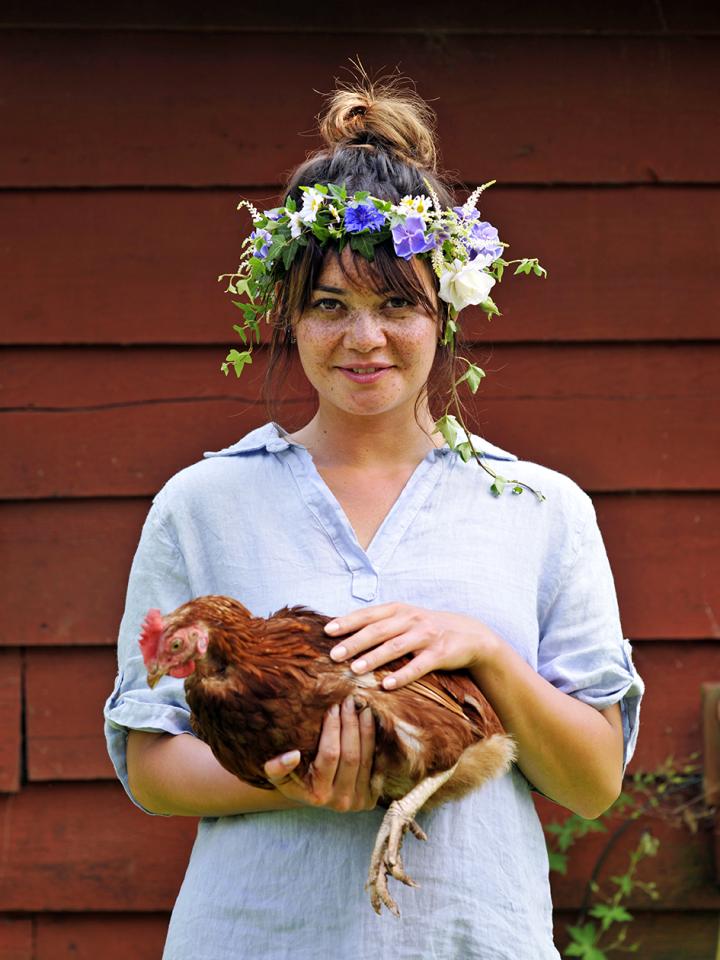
{"x": 366, "y": 353}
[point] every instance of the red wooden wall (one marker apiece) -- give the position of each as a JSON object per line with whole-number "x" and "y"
{"x": 127, "y": 141}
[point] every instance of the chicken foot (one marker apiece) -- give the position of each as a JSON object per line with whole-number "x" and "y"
{"x": 386, "y": 860}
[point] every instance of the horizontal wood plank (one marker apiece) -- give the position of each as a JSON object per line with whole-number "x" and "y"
{"x": 84, "y": 847}
{"x": 422, "y": 15}
{"x": 67, "y": 583}
{"x": 155, "y": 109}
{"x": 16, "y": 938}
{"x": 106, "y": 936}
{"x": 106, "y": 422}
{"x": 64, "y": 739}
{"x": 10, "y": 720}
{"x": 141, "y": 267}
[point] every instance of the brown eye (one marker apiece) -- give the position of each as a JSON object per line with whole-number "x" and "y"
{"x": 176, "y": 645}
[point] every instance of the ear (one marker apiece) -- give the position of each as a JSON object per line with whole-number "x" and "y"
{"x": 151, "y": 635}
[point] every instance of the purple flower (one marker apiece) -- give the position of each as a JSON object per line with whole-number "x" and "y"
{"x": 483, "y": 240}
{"x": 275, "y": 213}
{"x": 266, "y": 238}
{"x": 360, "y": 216}
{"x": 410, "y": 238}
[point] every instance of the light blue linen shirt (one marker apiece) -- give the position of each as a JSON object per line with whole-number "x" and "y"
{"x": 257, "y": 522}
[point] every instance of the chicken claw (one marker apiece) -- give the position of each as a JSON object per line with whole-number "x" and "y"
{"x": 386, "y": 860}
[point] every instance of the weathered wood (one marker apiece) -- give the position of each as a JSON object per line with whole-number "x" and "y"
{"x": 84, "y": 847}
{"x": 662, "y": 934}
{"x": 106, "y": 936}
{"x": 16, "y": 938}
{"x": 10, "y": 720}
{"x": 103, "y": 422}
{"x": 600, "y": 113}
{"x": 421, "y": 15}
{"x": 64, "y": 734}
{"x": 66, "y": 585}
{"x": 141, "y": 267}
{"x": 65, "y": 737}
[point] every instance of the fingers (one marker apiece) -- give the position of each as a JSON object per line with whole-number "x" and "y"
{"x": 367, "y": 755}
{"x": 277, "y": 769}
{"x": 346, "y": 776}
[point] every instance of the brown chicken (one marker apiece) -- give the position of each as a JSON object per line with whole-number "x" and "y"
{"x": 259, "y": 687}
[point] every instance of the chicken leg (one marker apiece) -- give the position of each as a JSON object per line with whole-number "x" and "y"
{"x": 386, "y": 860}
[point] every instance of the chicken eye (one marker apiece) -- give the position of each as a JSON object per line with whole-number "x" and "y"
{"x": 176, "y": 645}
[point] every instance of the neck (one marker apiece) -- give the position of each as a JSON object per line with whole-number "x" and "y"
{"x": 384, "y": 441}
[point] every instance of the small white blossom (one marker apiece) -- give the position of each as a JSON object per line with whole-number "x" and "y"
{"x": 312, "y": 201}
{"x": 334, "y": 211}
{"x": 296, "y": 223}
{"x": 463, "y": 284}
{"x": 420, "y": 205}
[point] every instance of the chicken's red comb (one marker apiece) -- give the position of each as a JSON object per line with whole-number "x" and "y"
{"x": 151, "y": 635}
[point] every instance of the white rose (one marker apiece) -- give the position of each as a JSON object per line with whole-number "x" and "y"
{"x": 463, "y": 284}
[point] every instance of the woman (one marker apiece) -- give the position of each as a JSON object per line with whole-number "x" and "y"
{"x": 366, "y": 514}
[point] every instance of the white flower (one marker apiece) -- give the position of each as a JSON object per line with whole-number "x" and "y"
{"x": 420, "y": 205}
{"x": 463, "y": 284}
{"x": 312, "y": 201}
{"x": 296, "y": 224}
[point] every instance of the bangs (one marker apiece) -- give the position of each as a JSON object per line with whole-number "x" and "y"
{"x": 386, "y": 273}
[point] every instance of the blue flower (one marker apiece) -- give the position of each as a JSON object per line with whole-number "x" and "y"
{"x": 410, "y": 238}
{"x": 275, "y": 213}
{"x": 266, "y": 238}
{"x": 360, "y": 216}
{"x": 483, "y": 240}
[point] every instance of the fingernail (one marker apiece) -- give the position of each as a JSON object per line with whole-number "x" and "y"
{"x": 338, "y": 653}
{"x": 389, "y": 683}
{"x": 332, "y": 627}
{"x": 289, "y": 758}
{"x": 360, "y": 666}
{"x": 335, "y": 710}
{"x": 349, "y": 704}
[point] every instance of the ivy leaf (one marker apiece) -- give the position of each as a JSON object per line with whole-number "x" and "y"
{"x": 236, "y": 360}
{"x": 361, "y": 195}
{"x": 240, "y": 332}
{"x": 364, "y": 245}
{"x": 498, "y": 485}
{"x": 608, "y": 914}
{"x": 558, "y": 861}
{"x": 451, "y": 431}
{"x": 291, "y": 205}
{"x": 288, "y": 253}
{"x": 473, "y": 375}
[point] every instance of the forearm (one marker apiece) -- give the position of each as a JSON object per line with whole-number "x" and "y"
{"x": 179, "y": 775}
{"x": 567, "y": 749}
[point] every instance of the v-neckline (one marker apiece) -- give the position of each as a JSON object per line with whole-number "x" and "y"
{"x": 330, "y": 513}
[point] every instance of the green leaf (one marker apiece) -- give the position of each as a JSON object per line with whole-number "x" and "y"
{"x": 291, "y": 205}
{"x": 363, "y": 244}
{"x": 240, "y": 332}
{"x": 465, "y": 450}
{"x": 498, "y": 485}
{"x": 517, "y": 490}
{"x": 451, "y": 431}
{"x": 608, "y": 914}
{"x": 490, "y": 309}
{"x": 558, "y": 861}
{"x": 361, "y": 195}
{"x": 473, "y": 375}
{"x": 236, "y": 360}
{"x": 288, "y": 253}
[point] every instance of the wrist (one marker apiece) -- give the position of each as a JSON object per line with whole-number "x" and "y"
{"x": 488, "y": 648}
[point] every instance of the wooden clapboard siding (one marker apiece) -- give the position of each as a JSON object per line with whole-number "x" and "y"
{"x": 614, "y": 417}
{"x": 85, "y": 847}
{"x": 10, "y": 720}
{"x": 132, "y": 136}
{"x": 635, "y": 263}
{"x": 71, "y": 560}
{"x": 64, "y": 738}
{"x": 597, "y": 110}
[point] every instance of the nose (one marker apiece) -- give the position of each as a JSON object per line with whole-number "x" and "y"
{"x": 364, "y": 331}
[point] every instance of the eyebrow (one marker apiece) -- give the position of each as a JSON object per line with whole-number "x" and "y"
{"x": 340, "y": 290}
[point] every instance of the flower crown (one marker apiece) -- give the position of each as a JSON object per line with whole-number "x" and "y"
{"x": 465, "y": 252}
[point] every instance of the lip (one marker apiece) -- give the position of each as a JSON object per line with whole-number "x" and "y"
{"x": 379, "y": 369}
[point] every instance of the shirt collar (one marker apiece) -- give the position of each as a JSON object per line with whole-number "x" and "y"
{"x": 272, "y": 437}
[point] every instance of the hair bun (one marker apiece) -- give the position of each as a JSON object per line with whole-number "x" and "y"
{"x": 388, "y": 112}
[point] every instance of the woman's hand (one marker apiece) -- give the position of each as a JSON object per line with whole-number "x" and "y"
{"x": 436, "y": 639}
{"x": 339, "y": 776}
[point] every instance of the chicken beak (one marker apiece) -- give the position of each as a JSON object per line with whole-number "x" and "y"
{"x": 155, "y": 673}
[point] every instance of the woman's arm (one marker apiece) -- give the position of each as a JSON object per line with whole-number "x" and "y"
{"x": 569, "y": 750}
{"x": 180, "y": 775}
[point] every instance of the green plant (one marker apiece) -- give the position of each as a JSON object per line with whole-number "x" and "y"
{"x": 672, "y": 793}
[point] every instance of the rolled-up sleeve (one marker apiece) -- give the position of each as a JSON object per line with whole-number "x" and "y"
{"x": 582, "y": 648}
{"x": 157, "y": 579}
